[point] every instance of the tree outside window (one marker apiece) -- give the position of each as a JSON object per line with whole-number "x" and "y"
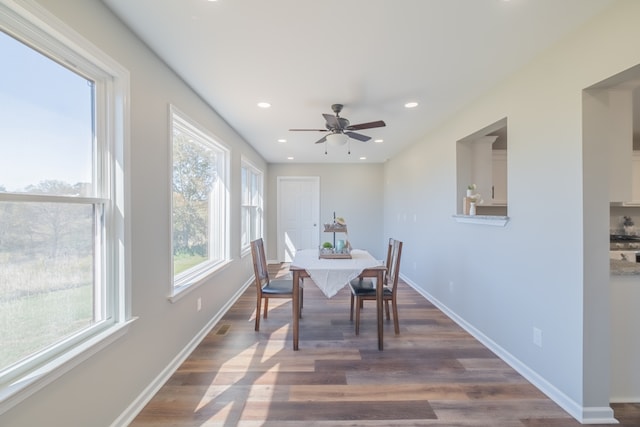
{"x": 198, "y": 201}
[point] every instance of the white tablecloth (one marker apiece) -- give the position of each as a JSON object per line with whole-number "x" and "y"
{"x": 331, "y": 275}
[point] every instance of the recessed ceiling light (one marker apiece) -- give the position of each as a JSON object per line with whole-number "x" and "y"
{"x": 363, "y": 158}
{"x": 378, "y": 141}
{"x": 412, "y": 104}
{"x": 264, "y": 105}
{"x": 282, "y": 140}
{"x": 290, "y": 158}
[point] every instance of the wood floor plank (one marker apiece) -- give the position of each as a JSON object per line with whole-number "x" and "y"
{"x": 433, "y": 374}
{"x": 257, "y": 377}
{"x": 352, "y": 411}
{"x": 381, "y": 393}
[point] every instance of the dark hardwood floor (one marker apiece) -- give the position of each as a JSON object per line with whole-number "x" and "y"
{"x": 432, "y": 374}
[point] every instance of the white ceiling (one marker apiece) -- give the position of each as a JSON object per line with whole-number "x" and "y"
{"x": 373, "y": 56}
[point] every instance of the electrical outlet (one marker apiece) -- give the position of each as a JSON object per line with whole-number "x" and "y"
{"x": 199, "y": 304}
{"x": 537, "y": 337}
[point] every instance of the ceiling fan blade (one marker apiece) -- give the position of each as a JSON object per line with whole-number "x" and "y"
{"x": 358, "y": 136}
{"x": 369, "y": 125}
{"x": 332, "y": 121}
{"x": 311, "y": 130}
{"x": 321, "y": 140}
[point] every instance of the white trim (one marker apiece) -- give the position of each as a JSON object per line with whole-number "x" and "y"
{"x": 198, "y": 281}
{"x": 36, "y": 380}
{"x": 245, "y": 163}
{"x": 498, "y": 221}
{"x": 624, "y": 399}
{"x": 194, "y": 276}
{"x": 150, "y": 391}
{"x": 585, "y": 415}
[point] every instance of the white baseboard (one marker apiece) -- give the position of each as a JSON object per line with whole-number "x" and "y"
{"x": 585, "y": 415}
{"x": 147, "y": 394}
{"x": 624, "y": 399}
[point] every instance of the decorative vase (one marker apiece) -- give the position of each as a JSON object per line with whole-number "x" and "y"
{"x": 469, "y": 193}
{"x": 472, "y": 208}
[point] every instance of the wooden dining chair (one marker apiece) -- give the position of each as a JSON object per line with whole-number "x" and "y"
{"x": 368, "y": 282}
{"x": 365, "y": 290}
{"x": 267, "y": 288}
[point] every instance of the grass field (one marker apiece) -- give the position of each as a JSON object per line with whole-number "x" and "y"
{"x": 44, "y": 300}
{"x": 184, "y": 262}
{"x": 41, "y": 302}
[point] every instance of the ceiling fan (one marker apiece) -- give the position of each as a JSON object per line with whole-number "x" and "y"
{"x": 340, "y": 130}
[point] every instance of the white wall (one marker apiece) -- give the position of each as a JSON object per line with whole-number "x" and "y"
{"x": 352, "y": 191}
{"x": 96, "y": 392}
{"x": 503, "y": 282}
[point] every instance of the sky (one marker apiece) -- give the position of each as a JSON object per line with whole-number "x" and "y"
{"x": 45, "y": 120}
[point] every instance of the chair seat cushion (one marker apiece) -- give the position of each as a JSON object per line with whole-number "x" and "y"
{"x": 278, "y": 287}
{"x": 365, "y": 287}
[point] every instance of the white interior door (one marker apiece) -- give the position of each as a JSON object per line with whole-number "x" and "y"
{"x": 298, "y": 215}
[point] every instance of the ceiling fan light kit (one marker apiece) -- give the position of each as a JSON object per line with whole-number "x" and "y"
{"x": 340, "y": 129}
{"x": 337, "y": 139}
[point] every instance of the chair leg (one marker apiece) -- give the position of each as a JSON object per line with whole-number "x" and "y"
{"x": 266, "y": 307}
{"x": 351, "y": 313}
{"x": 300, "y": 308}
{"x": 396, "y": 322}
{"x": 258, "y": 304}
{"x": 358, "y": 305}
{"x": 386, "y": 305}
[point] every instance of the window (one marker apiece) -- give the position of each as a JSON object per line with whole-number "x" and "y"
{"x": 199, "y": 202}
{"x": 62, "y": 202}
{"x": 251, "y": 211}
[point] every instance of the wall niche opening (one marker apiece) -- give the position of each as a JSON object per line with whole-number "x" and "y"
{"x": 482, "y": 161}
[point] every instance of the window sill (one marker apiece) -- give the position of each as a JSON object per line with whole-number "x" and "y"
{"x": 495, "y": 220}
{"x": 185, "y": 289}
{"x": 25, "y": 386}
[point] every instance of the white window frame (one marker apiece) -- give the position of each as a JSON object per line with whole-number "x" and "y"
{"x": 36, "y": 27}
{"x": 257, "y": 202}
{"x": 218, "y": 222}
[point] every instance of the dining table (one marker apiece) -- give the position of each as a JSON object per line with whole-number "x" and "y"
{"x": 333, "y": 274}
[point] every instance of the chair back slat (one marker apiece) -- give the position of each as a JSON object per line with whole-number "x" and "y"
{"x": 389, "y": 252}
{"x": 393, "y": 269}
{"x": 259, "y": 263}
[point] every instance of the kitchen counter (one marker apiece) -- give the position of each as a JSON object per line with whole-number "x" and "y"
{"x": 624, "y": 268}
